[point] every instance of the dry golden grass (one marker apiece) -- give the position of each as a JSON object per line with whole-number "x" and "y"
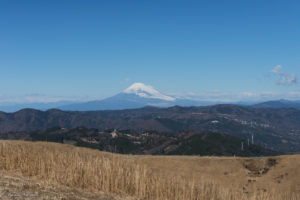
{"x": 22, "y": 188}
{"x": 142, "y": 177}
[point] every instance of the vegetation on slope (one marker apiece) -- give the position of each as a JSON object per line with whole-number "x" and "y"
{"x": 218, "y": 145}
{"x": 155, "y": 143}
{"x": 278, "y": 129}
{"x": 95, "y": 171}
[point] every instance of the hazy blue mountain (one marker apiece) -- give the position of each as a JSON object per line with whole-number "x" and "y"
{"x": 13, "y": 107}
{"x": 136, "y": 96}
{"x": 282, "y": 103}
{"x": 119, "y": 101}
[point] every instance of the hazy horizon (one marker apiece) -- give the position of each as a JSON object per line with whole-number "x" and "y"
{"x": 212, "y": 97}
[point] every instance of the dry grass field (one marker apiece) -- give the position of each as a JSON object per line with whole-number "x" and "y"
{"x": 58, "y": 171}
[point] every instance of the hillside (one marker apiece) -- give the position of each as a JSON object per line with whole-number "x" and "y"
{"x": 72, "y": 170}
{"x": 152, "y": 142}
{"x": 277, "y": 129}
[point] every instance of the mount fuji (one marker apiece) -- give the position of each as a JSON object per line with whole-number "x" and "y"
{"x": 136, "y": 96}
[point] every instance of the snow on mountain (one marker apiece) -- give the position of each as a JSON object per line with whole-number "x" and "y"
{"x": 147, "y": 91}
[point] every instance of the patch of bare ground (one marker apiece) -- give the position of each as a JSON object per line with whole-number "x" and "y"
{"x": 57, "y": 171}
{"x": 24, "y": 188}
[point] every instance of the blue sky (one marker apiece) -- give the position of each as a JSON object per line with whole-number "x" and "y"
{"x": 71, "y": 49}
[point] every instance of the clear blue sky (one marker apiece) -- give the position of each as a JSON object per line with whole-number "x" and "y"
{"x": 94, "y": 49}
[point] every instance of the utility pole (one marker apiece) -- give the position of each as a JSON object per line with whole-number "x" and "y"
{"x": 242, "y": 147}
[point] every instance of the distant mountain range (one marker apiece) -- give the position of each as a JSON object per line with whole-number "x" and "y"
{"x": 13, "y": 107}
{"x": 273, "y": 124}
{"x": 277, "y": 129}
{"x": 139, "y": 95}
{"x": 278, "y": 104}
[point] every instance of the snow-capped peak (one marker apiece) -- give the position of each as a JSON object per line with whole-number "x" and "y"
{"x": 147, "y": 91}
